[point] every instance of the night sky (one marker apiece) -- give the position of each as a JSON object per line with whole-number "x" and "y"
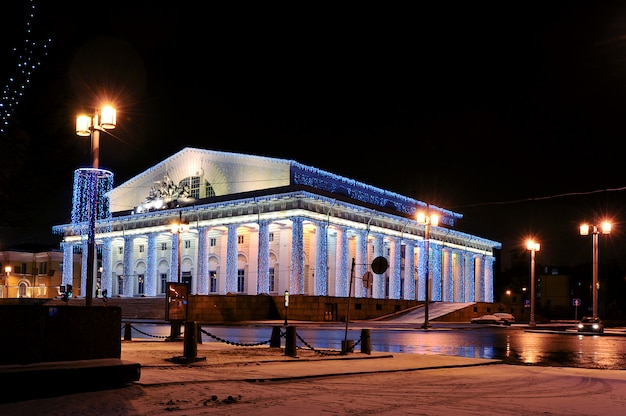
{"x": 510, "y": 113}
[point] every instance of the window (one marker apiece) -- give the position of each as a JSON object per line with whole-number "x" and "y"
{"x": 23, "y": 271}
{"x": 163, "y": 283}
{"x": 120, "y": 250}
{"x": 43, "y": 267}
{"x": 163, "y": 246}
{"x": 141, "y": 248}
{"x": 212, "y": 242}
{"x": 187, "y": 243}
{"x": 241, "y": 280}
{"x": 212, "y": 281}
{"x": 240, "y": 239}
{"x": 272, "y": 280}
{"x": 271, "y": 237}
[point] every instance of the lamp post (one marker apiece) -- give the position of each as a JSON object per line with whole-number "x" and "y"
{"x": 286, "y": 305}
{"x": 532, "y": 247}
{"x": 178, "y": 228}
{"x": 586, "y": 229}
{"x": 7, "y": 271}
{"x": 427, "y": 219}
{"x": 91, "y": 126}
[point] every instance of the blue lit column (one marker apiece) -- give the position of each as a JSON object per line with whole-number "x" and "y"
{"x": 129, "y": 266}
{"x": 296, "y": 273}
{"x": 321, "y": 259}
{"x": 151, "y": 278}
{"x": 395, "y": 268}
{"x": 409, "y": 270}
{"x": 343, "y": 263}
{"x": 203, "y": 261}
{"x": 378, "y": 287}
{"x": 263, "y": 262}
{"x": 232, "y": 255}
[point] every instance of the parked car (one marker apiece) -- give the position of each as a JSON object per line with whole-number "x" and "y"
{"x": 489, "y": 319}
{"x": 505, "y": 317}
{"x": 590, "y": 324}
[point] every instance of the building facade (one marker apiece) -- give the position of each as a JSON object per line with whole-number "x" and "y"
{"x": 258, "y": 225}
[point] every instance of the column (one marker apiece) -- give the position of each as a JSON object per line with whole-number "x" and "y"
{"x": 435, "y": 268}
{"x": 378, "y": 288}
{"x": 173, "y": 258}
{"x": 129, "y": 267}
{"x": 409, "y": 270}
{"x": 360, "y": 264}
{"x": 202, "y": 280}
{"x": 321, "y": 259}
{"x": 263, "y": 263}
{"x": 232, "y": 255}
{"x": 468, "y": 273}
{"x": 296, "y": 276}
{"x": 480, "y": 279}
{"x": 447, "y": 278}
{"x": 151, "y": 279}
{"x": 83, "y": 270}
{"x": 68, "y": 263}
{"x": 459, "y": 276}
{"x": 106, "y": 283}
{"x": 342, "y": 279}
{"x": 395, "y": 268}
{"x": 488, "y": 273}
{"x": 421, "y": 270}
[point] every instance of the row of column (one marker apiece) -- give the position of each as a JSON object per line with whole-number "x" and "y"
{"x": 456, "y": 275}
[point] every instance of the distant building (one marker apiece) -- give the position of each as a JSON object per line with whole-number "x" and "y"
{"x": 32, "y": 271}
{"x": 259, "y": 225}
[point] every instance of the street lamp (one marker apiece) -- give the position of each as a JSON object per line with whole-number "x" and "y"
{"x": 178, "y": 228}
{"x": 586, "y": 229}
{"x": 532, "y": 247}
{"x": 91, "y": 126}
{"x": 427, "y": 219}
{"x": 7, "y": 270}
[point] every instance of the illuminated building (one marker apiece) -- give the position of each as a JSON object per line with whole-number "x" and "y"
{"x": 260, "y": 225}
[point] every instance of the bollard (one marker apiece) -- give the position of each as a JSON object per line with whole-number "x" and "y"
{"x": 275, "y": 339}
{"x": 199, "y": 334}
{"x": 127, "y": 336}
{"x": 366, "y": 345}
{"x": 190, "y": 349}
{"x": 290, "y": 342}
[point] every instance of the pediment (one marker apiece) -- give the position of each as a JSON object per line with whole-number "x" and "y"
{"x": 218, "y": 173}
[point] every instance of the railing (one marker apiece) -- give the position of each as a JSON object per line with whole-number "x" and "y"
{"x": 290, "y": 335}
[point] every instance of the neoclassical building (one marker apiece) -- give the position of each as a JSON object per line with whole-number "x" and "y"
{"x": 260, "y": 225}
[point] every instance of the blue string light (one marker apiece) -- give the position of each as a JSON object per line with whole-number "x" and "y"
{"x": 25, "y": 60}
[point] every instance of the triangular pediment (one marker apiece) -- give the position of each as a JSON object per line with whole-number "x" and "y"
{"x": 222, "y": 173}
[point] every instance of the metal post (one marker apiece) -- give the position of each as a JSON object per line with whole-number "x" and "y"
{"x": 426, "y": 324}
{"x": 345, "y": 339}
{"x": 532, "y": 323}
{"x": 595, "y": 272}
{"x": 93, "y": 210}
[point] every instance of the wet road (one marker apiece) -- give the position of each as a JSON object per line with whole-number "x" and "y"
{"x": 512, "y": 344}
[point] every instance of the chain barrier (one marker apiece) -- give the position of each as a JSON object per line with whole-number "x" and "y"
{"x": 320, "y": 352}
{"x": 240, "y": 344}
{"x": 151, "y": 335}
{"x": 283, "y": 334}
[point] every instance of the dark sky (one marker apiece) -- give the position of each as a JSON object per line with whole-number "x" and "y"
{"x": 510, "y": 113}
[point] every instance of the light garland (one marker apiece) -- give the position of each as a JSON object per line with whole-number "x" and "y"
{"x": 27, "y": 60}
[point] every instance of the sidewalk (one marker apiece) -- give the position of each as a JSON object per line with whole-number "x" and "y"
{"x": 223, "y": 379}
{"x": 158, "y": 362}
